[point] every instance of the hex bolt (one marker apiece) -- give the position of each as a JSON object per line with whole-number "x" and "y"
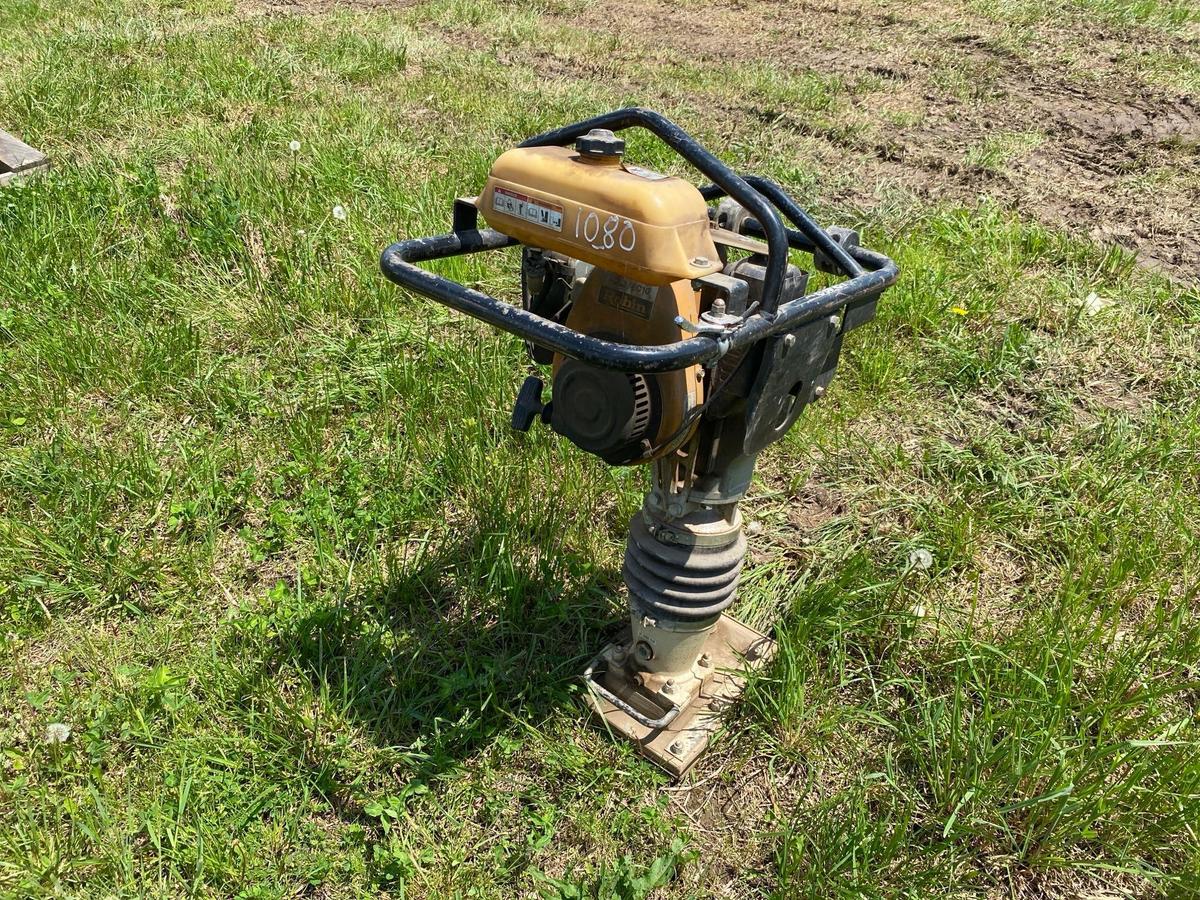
{"x": 818, "y": 392}
{"x": 643, "y": 651}
{"x": 789, "y": 341}
{"x": 700, "y": 261}
{"x": 706, "y": 660}
{"x": 718, "y": 307}
{"x": 669, "y": 686}
{"x": 676, "y": 748}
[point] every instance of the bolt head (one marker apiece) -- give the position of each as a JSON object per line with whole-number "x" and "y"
{"x": 675, "y": 748}
{"x": 818, "y": 392}
{"x": 700, "y": 262}
{"x": 706, "y": 660}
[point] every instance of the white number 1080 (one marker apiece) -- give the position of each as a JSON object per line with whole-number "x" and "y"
{"x": 614, "y": 232}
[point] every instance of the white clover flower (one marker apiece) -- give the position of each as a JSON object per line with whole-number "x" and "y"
{"x": 920, "y": 559}
{"x": 339, "y": 213}
{"x": 57, "y": 733}
{"x": 918, "y": 611}
{"x": 294, "y": 146}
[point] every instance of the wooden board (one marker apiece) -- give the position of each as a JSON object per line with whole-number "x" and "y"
{"x": 18, "y": 159}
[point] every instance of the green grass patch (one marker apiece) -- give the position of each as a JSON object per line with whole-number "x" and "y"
{"x": 314, "y": 616}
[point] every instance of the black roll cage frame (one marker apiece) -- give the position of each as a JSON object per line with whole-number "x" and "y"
{"x": 868, "y": 273}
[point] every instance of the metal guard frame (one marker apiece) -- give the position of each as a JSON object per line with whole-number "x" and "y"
{"x": 869, "y": 273}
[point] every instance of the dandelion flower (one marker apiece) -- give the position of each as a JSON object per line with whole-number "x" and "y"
{"x": 57, "y": 733}
{"x": 339, "y": 213}
{"x": 959, "y": 310}
{"x": 920, "y": 559}
{"x": 294, "y": 146}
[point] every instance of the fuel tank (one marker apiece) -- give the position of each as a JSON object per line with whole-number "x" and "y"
{"x": 646, "y": 226}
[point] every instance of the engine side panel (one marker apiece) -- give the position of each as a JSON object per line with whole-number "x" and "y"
{"x": 618, "y": 308}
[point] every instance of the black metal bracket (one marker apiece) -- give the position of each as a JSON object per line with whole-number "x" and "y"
{"x": 868, "y": 273}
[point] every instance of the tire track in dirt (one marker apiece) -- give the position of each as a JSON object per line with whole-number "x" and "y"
{"x": 1118, "y": 161}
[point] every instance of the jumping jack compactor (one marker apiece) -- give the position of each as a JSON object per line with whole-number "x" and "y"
{"x": 680, "y": 336}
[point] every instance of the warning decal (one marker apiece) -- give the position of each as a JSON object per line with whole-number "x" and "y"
{"x": 548, "y": 215}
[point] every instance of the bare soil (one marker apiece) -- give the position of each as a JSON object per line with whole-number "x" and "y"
{"x": 1113, "y": 156}
{"x": 1118, "y": 159}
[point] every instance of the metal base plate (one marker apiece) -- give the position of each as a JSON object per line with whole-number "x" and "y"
{"x": 733, "y": 648}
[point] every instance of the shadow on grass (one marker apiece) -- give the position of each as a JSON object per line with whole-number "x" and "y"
{"x": 485, "y": 634}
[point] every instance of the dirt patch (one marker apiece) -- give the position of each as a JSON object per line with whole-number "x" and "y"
{"x": 315, "y": 7}
{"x": 1109, "y": 394}
{"x": 1114, "y": 159}
{"x": 816, "y": 505}
{"x": 730, "y": 810}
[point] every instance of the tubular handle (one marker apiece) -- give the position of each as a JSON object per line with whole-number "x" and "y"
{"x": 869, "y": 273}
{"x": 398, "y": 264}
{"x": 641, "y": 718}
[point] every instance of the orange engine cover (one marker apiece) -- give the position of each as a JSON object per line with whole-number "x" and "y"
{"x": 617, "y": 308}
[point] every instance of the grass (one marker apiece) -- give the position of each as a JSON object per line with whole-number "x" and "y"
{"x": 994, "y": 152}
{"x": 314, "y": 615}
{"x": 1169, "y": 15}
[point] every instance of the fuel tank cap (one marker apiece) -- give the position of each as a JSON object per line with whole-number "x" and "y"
{"x": 600, "y": 142}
